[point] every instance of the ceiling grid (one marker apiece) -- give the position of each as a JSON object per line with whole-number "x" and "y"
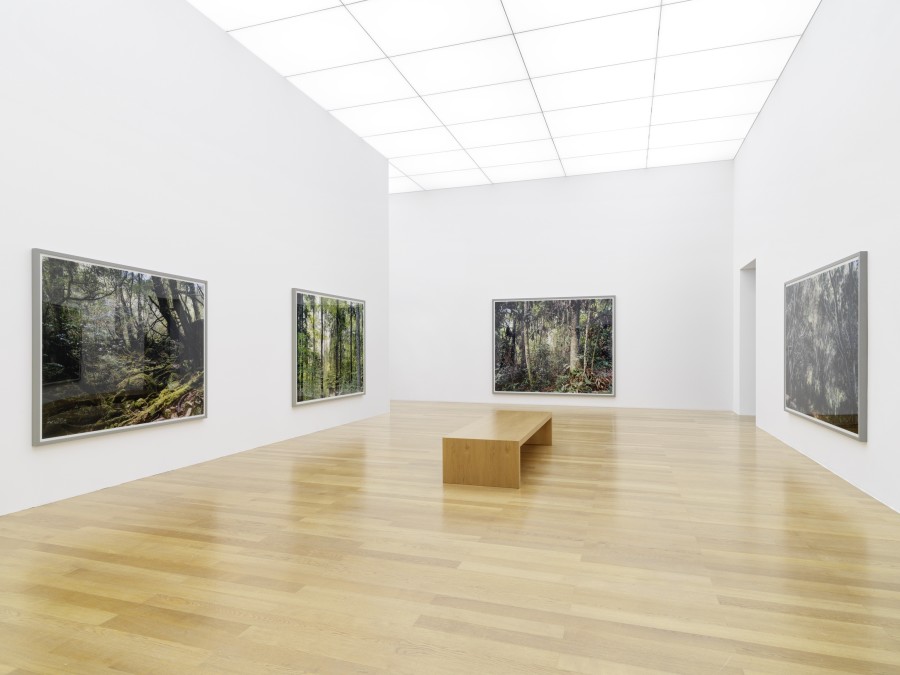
{"x": 470, "y": 92}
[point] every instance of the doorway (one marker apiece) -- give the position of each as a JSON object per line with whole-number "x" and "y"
{"x": 747, "y": 393}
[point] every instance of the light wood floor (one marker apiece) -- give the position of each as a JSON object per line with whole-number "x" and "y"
{"x": 640, "y": 542}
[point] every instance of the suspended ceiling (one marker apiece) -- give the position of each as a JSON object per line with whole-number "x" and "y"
{"x": 471, "y": 92}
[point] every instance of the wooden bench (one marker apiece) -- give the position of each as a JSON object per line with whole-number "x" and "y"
{"x": 487, "y": 452}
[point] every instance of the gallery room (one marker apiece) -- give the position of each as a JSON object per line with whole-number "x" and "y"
{"x": 450, "y": 336}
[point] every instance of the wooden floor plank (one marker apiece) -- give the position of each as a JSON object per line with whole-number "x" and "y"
{"x": 641, "y": 542}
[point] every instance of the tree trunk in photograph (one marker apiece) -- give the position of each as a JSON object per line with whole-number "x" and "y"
{"x": 525, "y": 345}
{"x": 167, "y": 309}
{"x": 192, "y": 333}
{"x": 136, "y": 302}
{"x": 322, "y": 344}
{"x": 573, "y": 337}
{"x": 121, "y": 317}
{"x": 359, "y": 355}
{"x": 142, "y": 298}
{"x": 164, "y": 308}
{"x": 310, "y": 335}
{"x": 339, "y": 349}
{"x": 351, "y": 344}
{"x": 301, "y": 339}
{"x": 197, "y": 310}
{"x": 179, "y": 307}
{"x": 587, "y": 340}
{"x": 336, "y": 339}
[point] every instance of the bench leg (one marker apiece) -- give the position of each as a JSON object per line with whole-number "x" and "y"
{"x": 543, "y": 436}
{"x": 480, "y": 462}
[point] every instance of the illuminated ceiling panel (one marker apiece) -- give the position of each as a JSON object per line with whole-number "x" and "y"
{"x": 473, "y": 92}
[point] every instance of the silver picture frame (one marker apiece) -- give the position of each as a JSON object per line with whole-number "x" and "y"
{"x": 295, "y": 392}
{"x": 38, "y": 437}
{"x": 859, "y": 360}
{"x": 609, "y": 394}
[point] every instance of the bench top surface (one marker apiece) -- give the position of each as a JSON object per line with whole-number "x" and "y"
{"x": 503, "y": 425}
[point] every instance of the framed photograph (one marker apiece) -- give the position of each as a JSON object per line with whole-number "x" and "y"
{"x": 329, "y": 346}
{"x": 114, "y": 347}
{"x": 555, "y": 346}
{"x": 825, "y": 335}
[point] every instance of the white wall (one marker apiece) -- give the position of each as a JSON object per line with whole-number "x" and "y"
{"x": 141, "y": 134}
{"x": 817, "y": 180}
{"x": 659, "y": 239}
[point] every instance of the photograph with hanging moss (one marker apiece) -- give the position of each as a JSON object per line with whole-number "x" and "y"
{"x": 330, "y": 347}
{"x": 555, "y": 346}
{"x": 115, "y": 347}
{"x": 825, "y": 346}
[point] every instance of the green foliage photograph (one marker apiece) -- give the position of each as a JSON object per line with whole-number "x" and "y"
{"x": 330, "y": 347}
{"x": 118, "y": 347}
{"x": 555, "y": 346}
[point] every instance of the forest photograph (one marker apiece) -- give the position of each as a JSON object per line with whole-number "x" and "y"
{"x": 822, "y": 345}
{"x": 554, "y": 346}
{"x": 118, "y": 347}
{"x": 330, "y": 347}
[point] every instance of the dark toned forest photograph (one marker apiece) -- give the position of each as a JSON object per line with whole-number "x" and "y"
{"x": 554, "y": 346}
{"x": 119, "y": 348}
{"x": 330, "y": 347}
{"x": 822, "y": 345}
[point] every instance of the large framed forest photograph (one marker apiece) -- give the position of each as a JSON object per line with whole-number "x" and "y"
{"x": 555, "y": 345}
{"x": 329, "y": 346}
{"x": 115, "y": 347}
{"x": 825, "y": 346}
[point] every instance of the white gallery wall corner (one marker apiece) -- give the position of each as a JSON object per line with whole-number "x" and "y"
{"x": 144, "y": 136}
{"x": 659, "y": 240}
{"x": 815, "y": 182}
